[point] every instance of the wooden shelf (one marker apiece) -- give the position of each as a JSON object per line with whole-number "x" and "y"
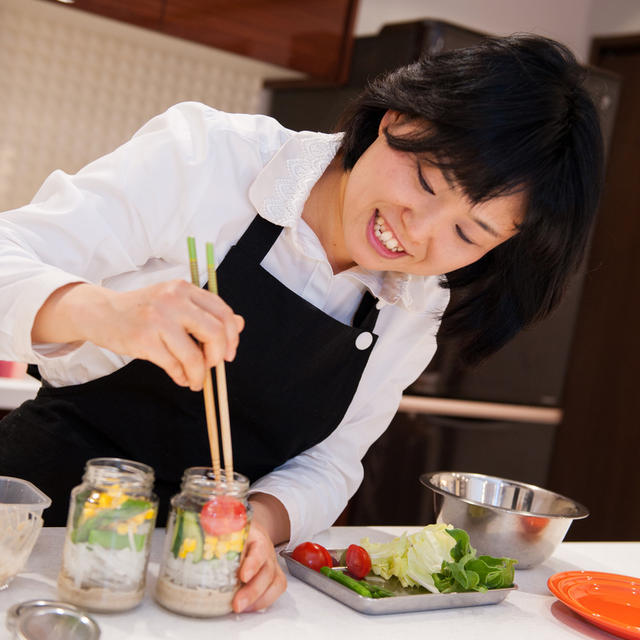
{"x": 315, "y": 36}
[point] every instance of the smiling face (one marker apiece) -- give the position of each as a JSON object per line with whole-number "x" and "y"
{"x": 399, "y": 213}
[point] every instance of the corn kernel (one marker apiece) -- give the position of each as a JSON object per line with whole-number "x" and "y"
{"x": 209, "y": 547}
{"x": 188, "y": 545}
{"x": 104, "y": 501}
{"x": 236, "y": 545}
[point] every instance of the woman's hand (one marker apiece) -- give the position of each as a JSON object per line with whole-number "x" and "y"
{"x": 264, "y": 581}
{"x": 156, "y": 323}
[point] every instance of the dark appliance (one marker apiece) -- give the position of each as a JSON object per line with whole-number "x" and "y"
{"x": 524, "y": 380}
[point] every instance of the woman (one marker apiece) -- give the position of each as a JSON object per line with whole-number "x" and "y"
{"x": 482, "y": 165}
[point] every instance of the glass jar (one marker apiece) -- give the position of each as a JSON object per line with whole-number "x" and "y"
{"x": 206, "y": 535}
{"x": 106, "y": 549}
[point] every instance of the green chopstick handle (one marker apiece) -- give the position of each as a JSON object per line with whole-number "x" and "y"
{"x": 211, "y": 269}
{"x": 193, "y": 261}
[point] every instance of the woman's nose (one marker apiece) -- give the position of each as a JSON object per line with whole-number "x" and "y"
{"x": 417, "y": 230}
{"x": 419, "y": 223}
{"x": 424, "y": 222}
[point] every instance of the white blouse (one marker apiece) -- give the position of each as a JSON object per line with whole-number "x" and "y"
{"x": 122, "y": 222}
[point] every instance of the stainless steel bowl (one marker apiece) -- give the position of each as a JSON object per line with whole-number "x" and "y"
{"x": 503, "y": 518}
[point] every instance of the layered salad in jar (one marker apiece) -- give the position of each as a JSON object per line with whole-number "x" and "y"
{"x": 106, "y": 549}
{"x": 203, "y": 551}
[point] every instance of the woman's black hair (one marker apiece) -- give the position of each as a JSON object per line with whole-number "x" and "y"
{"x": 510, "y": 114}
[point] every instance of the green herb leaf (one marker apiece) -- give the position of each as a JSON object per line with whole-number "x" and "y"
{"x": 468, "y": 573}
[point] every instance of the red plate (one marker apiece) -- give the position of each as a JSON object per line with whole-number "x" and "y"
{"x": 607, "y": 600}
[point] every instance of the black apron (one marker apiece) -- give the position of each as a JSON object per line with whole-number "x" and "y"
{"x": 293, "y": 378}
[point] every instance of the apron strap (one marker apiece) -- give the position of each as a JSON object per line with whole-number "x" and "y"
{"x": 258, "y": 238}
{"x": 367, "y": 313}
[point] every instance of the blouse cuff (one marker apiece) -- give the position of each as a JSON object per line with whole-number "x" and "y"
{"x": 39, "y": 289}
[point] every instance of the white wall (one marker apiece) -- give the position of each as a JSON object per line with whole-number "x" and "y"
{"x": 74, "y": 86}
{"x": 617, "y": 17}
{"x": 565, "y": 20}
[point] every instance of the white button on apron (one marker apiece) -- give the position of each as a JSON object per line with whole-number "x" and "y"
{"x": 364, "y": 340}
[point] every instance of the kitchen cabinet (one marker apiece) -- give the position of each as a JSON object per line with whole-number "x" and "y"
{"x": 144, "y": 13}
{"x": 311, "y": 36}
{"x": 314, "y": 37}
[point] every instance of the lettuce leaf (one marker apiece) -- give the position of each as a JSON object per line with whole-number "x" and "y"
{"x": 413, "y": 559}
{"x": 440, "y": 559}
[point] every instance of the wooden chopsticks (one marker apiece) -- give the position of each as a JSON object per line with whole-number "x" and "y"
{"x": 221, "y": 379}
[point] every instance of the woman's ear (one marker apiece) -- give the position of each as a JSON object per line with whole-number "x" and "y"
{"x": 390, "y": 117}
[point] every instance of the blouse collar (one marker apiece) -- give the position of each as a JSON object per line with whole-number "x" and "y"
{"x": 282, "y": 187}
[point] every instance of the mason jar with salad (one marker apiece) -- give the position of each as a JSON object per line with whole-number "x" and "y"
{"x": 206, "y": 535}
{"x": 111, "y": 519}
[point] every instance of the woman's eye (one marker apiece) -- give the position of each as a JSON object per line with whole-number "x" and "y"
{"x": 425, "y": 185}
{"x": 462, "y": 235}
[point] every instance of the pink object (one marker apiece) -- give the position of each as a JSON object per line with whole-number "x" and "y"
{"x": 12, "y": 369}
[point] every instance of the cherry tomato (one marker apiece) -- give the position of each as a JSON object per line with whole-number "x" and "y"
{"x": 358, "y": 561}
{"x": 312, "y": 555}
{"x": 223, "y": 514}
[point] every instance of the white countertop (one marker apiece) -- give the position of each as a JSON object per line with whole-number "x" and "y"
{"x": 14, "y": 391}
{"x": 531, "y": 612}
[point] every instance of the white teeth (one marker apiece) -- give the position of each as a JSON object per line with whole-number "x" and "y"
{"x": 385, "y": 236}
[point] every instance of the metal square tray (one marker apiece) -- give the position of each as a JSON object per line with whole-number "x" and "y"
{"x": 403, "y": 603}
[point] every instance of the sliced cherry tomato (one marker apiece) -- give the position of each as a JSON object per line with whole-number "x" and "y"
{"x": 534, "y": 524}
{"x": 312, "y": 555}
{"x": 358, "y": 561}
{"x": 223, "y": 514}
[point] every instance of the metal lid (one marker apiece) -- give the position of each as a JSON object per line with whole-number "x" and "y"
{"x": 50, "y": 620}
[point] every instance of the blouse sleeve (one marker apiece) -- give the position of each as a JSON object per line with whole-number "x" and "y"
{"x": 110, "y": 218}
{"x": 315, "y": 486}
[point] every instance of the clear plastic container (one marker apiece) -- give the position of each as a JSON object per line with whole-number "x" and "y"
{"x": 106, "y": 549}
{"x": 21, "y": 507}
{"x": 206, "y": 536}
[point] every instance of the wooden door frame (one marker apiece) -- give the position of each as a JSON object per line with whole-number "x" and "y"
{"x": 588, "y": 462}
{"x": 600, "y": 43}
